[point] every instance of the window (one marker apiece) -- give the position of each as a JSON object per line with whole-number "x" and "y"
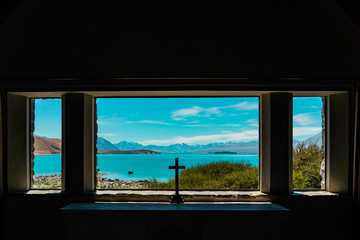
{"x": 46, "y": 143}
{"x": 271, "y": 120}
{"x": 308, "y": 144}
{"x": 216, "y": 139}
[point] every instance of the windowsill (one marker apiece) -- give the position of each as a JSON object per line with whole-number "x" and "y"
{"x": 189, "y": 196}
{"x": 159, "y": 212}
{"x": 161, "y": 206}
{"x": 314, "y": 193}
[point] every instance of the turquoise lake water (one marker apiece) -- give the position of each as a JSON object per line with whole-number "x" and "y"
{"x": 143, "y": 166}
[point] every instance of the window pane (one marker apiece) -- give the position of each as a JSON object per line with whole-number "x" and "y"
{"x": 216, "y": 139}
{"x": 46, "y": 147}
{"x": 308, "y": 143}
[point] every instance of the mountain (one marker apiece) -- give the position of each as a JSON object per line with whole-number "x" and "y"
{"x": 103, "y": 144}
{"x": 316, "y": 139}
{"x": 140, "y": 151}
{"x": 44, "y": 145}
{"x": 240, "y": 147}
{"x": 128, "y": 146}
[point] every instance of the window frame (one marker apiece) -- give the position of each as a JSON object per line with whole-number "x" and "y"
{"x": 16, "y": 186}
{"x": 32, "y": 141}
{"x": 164, "y": 97}
{"x": 325, "y": 103}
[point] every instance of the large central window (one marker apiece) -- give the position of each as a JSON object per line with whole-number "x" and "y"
{"x": 215, "y": 138}
{"x": 226, "y": 140}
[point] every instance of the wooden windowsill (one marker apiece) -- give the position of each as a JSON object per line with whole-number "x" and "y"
{"x": 160, "y": 206}
{"x": 189, "y": 196}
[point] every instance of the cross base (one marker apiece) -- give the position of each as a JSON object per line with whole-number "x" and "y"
{"x": 177, "y": 199}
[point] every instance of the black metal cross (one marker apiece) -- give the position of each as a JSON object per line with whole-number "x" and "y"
{"x": 177, "y": 198}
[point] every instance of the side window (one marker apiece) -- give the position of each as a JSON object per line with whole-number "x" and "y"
{"x": 46, "y": 143}
{"x": 216, "y": 139}
{"x": 309, "y": 142}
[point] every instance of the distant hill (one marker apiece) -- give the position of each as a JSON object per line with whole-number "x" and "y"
{"x": 240, "y": 147}
{"x": 141, "y": 151}
{"x": 44, "y": 145}
{"x": 103, "y": 144}
{"x": 316, "y": 139}
{"x": 128, "y": 145}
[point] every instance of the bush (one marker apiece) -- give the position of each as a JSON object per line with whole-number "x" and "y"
{"x": 307, "y": 163}
{"x": 228, "y": 175}
{"x": 217, "y": 175}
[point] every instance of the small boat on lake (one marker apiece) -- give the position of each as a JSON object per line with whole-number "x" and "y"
{"x": 130, "y": 172}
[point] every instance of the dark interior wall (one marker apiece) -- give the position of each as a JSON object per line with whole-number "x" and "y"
{"x": 112, "y": 39}
{"x": 56, "y": 39}
{"x": 38, "y": 217}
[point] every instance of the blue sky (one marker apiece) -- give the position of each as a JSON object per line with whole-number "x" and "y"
{"x": 165, "y": 121}
{"x": 48, "y": 118}
{"x": 306, "y": 117}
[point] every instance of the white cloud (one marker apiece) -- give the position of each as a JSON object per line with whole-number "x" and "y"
{"x": 196, "y": 125}
{"x": 304, "y": 131}
{"x": 196, "y": 111}
{"x": 197, "y": 121}
{"x": 245, "y": 106}
{"x": 309, "y": 107}
{"x": 155, "y": 122}
{"x": 230, "y": 125}
{"x": 150, "y": 122}
{"x": 103, "y": 122}
{"x": 109, "y": 119}
{"x": 204, "y": 139}
{"x": 106, "y": 134}
{"x": 304, "y": 119}
{"x": 252, "y": 122}
{"x": 226, "y": 131}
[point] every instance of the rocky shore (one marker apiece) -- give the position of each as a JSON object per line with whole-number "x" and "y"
{"x": 47, "y": 181}
{"x": 54, "y": 182}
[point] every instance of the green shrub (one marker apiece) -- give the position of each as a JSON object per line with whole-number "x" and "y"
{"x": 217, "y": 175}
{"x": 307, "y": 163}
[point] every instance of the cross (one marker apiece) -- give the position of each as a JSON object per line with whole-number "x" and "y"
{"x": 177, "y": 198}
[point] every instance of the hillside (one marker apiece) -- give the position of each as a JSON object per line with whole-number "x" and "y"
{"x": 239, "y": 147}
{"x": 140, "y": 151}
{"x": 316, "y": 139}
{"x": 44, "y": 145}
{"x": 103, "y": 144}
{"x": 53, "y": 146}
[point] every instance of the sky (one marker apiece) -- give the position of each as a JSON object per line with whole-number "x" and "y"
{"x": 166, "y": 121}
{"x": 47, "y": 116}
{"x": 306, "y": 117}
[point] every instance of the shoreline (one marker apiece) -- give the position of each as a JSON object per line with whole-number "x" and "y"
{"x": 54, "y": 182}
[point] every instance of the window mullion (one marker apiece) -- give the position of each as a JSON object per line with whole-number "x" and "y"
{"x": 77, "y": 142}
{"x": 276, "y": 143}
{"x": 18, "y": 118}
{"x": 337, "y": 164}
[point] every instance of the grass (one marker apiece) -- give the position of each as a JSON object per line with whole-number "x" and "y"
{"x": 217, "y": 175}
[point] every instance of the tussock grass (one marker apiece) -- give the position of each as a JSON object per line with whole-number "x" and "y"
{"x": 217, "y": 175}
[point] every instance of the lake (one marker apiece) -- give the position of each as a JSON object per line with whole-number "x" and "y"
{"x": 143, "y": 166}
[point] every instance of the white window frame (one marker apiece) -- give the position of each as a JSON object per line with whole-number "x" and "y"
{"x": 82, "y": 177}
